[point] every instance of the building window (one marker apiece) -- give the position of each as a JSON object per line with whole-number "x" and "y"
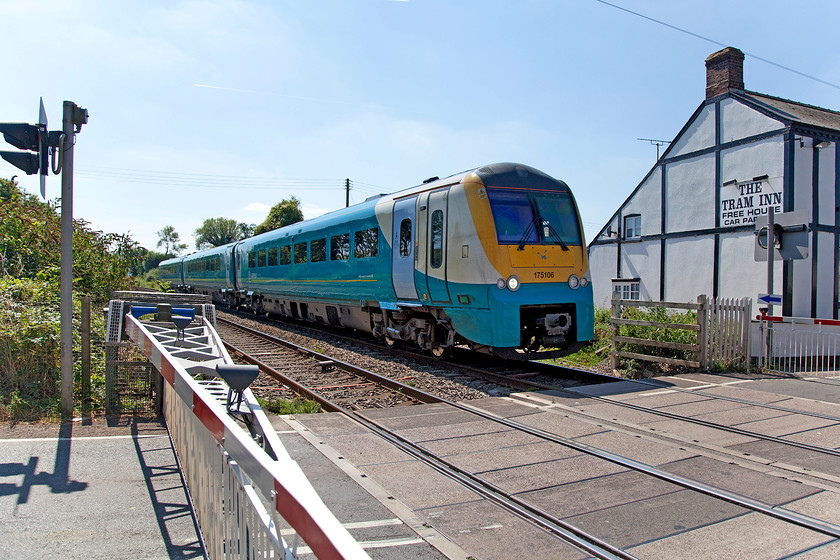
{"x": 626, "y": 289}
{"x": 633, "y": 227}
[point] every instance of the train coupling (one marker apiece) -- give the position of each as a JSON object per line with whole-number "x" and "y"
{"x": 555, "y": 327}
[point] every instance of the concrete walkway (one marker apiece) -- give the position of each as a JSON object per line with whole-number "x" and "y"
{"x": 93, "y": 489}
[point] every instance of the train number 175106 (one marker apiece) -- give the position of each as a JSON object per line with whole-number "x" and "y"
{"x": 542, "y": 275}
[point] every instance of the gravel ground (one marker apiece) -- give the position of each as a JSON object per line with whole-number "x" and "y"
{"x": 438, "y": 379}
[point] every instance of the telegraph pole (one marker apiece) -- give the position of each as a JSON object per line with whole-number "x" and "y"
{"x": 347, "y": 193}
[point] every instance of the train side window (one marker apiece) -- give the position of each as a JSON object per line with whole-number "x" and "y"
{"x": 340, "y": 247}
{"x": 437, "y": 238}
{"x": 272, "y": 256}
{"x": 238, "y": 261}
{"x": 300, "y": 253}
{"x": 286, "y": 254}
{"x": 252, "y": 259}
{"x": 261, "y": 257}
{"x": 405, "y": 237}
{"x": 367, "y": 243}
{"x": 318, "y": 250}
{"x": 218, "y": 263}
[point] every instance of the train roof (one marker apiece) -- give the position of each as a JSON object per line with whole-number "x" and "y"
{"x": 508, "y": 174}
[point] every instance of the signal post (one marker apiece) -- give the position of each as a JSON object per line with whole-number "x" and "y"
{"x": 38, "y": 144}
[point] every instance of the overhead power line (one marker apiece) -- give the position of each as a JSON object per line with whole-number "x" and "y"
{"x": 698, "y": 36}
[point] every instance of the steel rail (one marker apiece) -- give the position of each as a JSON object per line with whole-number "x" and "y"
{"x": 708, "y": 424}
{"x": 684, "y": 482}
{"x": 535, "y": 515}
{"x": 690, "y": 484}
{"x": 660, "y": 385}
{"x": 392, "y": 384}
{"x": 560, "y": 528}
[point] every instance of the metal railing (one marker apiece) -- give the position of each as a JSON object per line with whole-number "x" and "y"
{"x": 800, "y": 346}
{"x": 241, "y": 491}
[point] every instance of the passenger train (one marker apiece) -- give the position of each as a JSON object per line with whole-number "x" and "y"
{"x": 492, "y": 258}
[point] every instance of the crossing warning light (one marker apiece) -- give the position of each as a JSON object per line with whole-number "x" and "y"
{"x": 36, "y": 141}
{"x": 25, "y": 136}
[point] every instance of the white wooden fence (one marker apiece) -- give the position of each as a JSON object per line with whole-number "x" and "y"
{"x": 722, "y": 327}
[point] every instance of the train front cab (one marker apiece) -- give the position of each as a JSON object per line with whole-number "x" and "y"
{"x": 504, "y": 266}
{"x": 529, "y": 228}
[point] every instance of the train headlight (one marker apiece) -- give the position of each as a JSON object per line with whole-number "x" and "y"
{"x": 513, "y": 283}
{"x": 574, "y": 282}
{"x": 585, "y": 279}
{"x": 501, "y": 283}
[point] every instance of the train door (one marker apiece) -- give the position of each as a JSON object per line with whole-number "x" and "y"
{"x": 436, "y": 230}
{"x": 235, "y": 267}
{"x": 402, "y": 248}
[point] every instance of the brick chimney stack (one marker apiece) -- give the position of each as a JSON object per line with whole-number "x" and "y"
{"x": 724, "y": 71}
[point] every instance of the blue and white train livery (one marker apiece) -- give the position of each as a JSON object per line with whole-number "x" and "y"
{"x": 493, "y": 258}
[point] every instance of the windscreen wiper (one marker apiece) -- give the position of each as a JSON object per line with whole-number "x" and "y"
{"x": 552, "y": 233}
{"x": 528, "y": 230}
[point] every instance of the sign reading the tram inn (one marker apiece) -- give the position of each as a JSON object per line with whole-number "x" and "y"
{"x": 741, "y": 203}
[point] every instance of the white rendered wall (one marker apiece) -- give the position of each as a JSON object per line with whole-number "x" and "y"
{"x": 766, "y": 157}
{"x": 689, "y": 268}
{"x": 699, "y": 135}
{"x": 640, "y": 260}
{"x": 803, "y": 172}
{"x": 825, "y": 276}
{"x": 740, "y": 275}
{"x": 827, "y": 200}
{"x": 739, "y": 121}
{"x": 647, "y": 203}
{"x": 602, "y": 259}
{"x": 690, "y": 194}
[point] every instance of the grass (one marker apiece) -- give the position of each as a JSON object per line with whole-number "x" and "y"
{"x": 286, "y": 406}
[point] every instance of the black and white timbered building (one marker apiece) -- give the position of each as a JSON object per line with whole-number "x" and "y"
{"x": 689, "y": 227}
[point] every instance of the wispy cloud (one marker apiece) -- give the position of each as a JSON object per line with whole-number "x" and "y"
{"x": 271, "y": 93}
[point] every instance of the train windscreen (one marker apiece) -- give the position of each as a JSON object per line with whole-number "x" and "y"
{"x": 534, "y": 217}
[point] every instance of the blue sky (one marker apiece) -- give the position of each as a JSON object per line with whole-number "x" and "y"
{"x": 209, "y": 108}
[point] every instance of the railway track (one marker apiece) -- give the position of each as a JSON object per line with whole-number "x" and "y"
{"x": 530, "y": 376}
{"x": 553, "y": 524}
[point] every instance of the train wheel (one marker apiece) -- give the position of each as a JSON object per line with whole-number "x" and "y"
{"x": 441, "y": 352}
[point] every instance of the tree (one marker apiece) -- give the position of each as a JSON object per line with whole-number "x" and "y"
{"x": 169, "y": 238}
{"x": 284, "y": 213}
{"x": 219, "y": 231}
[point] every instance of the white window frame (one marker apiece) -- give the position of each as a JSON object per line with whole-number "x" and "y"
{"x": 633, "y": 226}
{"x": 627, "y": 288}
